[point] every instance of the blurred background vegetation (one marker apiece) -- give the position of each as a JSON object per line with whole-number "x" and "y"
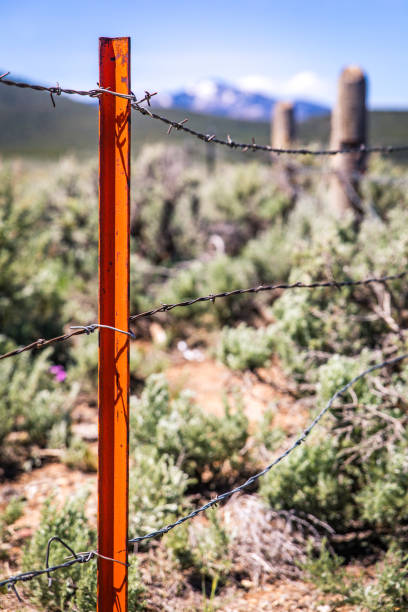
{"x": 347, "y": 486}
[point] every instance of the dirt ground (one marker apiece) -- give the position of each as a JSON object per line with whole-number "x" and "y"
{"x": 209, "y": 381}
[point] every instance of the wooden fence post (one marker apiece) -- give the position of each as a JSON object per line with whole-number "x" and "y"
{"x": 282, "y": 137}
{"x": 113, "y": 451}
{"x": 283, "y": 125}
{"x": 348, "y": 129}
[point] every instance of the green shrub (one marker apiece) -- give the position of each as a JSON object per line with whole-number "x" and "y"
{"x": 185, "y": 285}
{"x": 48, "y": 247}
{"x": 202, "y": 547}
{"x": 244, "y": 347}
{"x": 246, "y": 193}
{"x": 157, "y": 489}
{"x": 79, "y": 456}
{"x": 388, "y": 591}
{"x": 180, "y": 429}
{"x": 73, "y": 588}
{"x": 13, "y": 510}
{"x": 222, "y": 273}
{"x": 266, "y": 433}
{"x": 389, "y": 191}
{"x": 70, "y": 524}
{"x": 337, "y": 372}
{"x": 10, "y": 515}
{"x": 32, "y": 399}
{"x": 311, "y": 481}
{"x": 162, "y": 214}
{"x": 270, "y": 253}
{"x": 384, "y": 499}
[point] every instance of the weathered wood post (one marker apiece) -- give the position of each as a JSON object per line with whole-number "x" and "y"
{"x": 283, "y": 133}
{"x": 283, "y": 125}
{"x": 349, "y": 129}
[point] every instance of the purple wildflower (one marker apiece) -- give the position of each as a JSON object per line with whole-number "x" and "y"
{"x": 59, "y": 372}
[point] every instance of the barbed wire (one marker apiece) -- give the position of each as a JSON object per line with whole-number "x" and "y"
{"x": 82, "y": 557}
{"x": 244, "y": 147}
{"x": 90, "y": 93}
{"x": 282, "y": 456}
{"x": 79, "y": 330}
{"x": 85, "y": 557}
{"x": 180, "y": 125}
{"x": 87, "y": 329}
{"x": 42, "y": 343}
{"x": 260, "y": 288}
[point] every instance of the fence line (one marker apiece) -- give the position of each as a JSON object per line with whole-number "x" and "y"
{"x": 85, "y": 557}
{"x": 88, "y": 329}
{"x": 136, "y": 104}
{"x": 180, "y": 125}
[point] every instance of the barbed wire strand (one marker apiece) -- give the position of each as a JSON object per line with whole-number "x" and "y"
{"x": 87, "y": 329}
{"x": 80, "y": 557}
{"x": 285, "y": 286}
{"x": 244, "y": 147}
{"x": 79, "y": 330}
{"x": 180, "y": 125}
{"x": 85, "y": 557}
{"x": 282, "y": 456}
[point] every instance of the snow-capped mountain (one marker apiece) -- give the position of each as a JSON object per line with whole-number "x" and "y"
{"x": 212, "y": 97}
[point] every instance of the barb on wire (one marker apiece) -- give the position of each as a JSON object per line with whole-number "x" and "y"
{"x": 287, "y": 452}
{"x": 85, "y": 557}
{"x": 298, "y": 285}
{"x": 87, "y": 329}
{"x": 180, "y": 125}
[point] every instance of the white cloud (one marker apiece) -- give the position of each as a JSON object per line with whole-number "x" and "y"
{"x": 305, "y": 84}
{"x": 257, "y": 83}
{"x": 205, "y": 89}
{"x": 164, "y": 100}
{"x": 308, "y": 84}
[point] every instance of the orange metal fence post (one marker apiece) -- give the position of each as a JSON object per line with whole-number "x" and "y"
{"x": 114, "y": 179}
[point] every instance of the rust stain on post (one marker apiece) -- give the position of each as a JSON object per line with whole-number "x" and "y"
{"x": 113, "y": 467}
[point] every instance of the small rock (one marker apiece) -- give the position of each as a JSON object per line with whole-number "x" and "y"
{"x": 247, "y": 584}
{"x": 158, "y": 334}
{"x": 17, "y": 437}
{"x": 86, "y": 431}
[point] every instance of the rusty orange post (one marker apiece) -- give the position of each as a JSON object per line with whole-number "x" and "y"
{"x": 113, "y": 451}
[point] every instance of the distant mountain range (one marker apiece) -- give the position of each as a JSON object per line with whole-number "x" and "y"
{"x": 214, "y": 97}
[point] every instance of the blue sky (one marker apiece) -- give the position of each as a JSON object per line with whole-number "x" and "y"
{"x": 288, "y": 48}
